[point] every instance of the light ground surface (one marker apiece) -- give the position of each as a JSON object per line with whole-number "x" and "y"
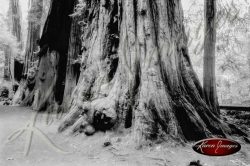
{"x": 87, "y": 151}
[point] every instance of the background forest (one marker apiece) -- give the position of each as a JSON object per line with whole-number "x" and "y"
{"x": 232, "y": 45}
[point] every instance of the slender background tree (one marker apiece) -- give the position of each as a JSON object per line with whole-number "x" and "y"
{"x": 209, "y": 80}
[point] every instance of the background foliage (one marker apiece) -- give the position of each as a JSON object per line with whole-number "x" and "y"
{"x": 232, "y": 47}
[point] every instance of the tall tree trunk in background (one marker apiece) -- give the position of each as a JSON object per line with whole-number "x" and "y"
{"x": 34, "y": 31}
{"x": 136, "y": 73}
{"x": 248, "y": 53}
{"x": 15, "y": 22}
{"x": 25, "y": 92}
{"x": 50, "y": 80}
{"x": 7, "y": 52}
{"x": 14, "y": 14}
{"x": 209, "y": 80}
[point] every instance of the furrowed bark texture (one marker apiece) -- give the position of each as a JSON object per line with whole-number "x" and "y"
{"x": 73, "y": 62}
{"x": 25, "y": 92}
{"x": 136, "y": 73}
{"x": 209, "y": 82}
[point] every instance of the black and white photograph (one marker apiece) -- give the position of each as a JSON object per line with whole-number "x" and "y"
{"x": 124, "y": 82}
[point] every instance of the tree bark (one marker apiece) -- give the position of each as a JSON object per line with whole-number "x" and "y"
{"x": 25, "y": 92}
{"x": 209, "y": 80}
{"x": 73, "y": 62}
{"x": 14, "y": 13}
{"x": 136, "y": 73}
{"x": 6, "y": 74}
{"x": 15, "y": 19}
{"x": 34, "y": 31}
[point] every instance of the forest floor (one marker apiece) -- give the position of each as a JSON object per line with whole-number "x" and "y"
{"x": 87, "y": 151}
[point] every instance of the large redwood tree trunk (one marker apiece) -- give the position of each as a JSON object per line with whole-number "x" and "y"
{"x": 136, "y": 73}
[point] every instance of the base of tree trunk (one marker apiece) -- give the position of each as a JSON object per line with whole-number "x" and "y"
{"x": 137, "y": 74}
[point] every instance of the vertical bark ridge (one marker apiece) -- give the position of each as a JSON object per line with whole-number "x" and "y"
{"x": 73, "y": 61}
